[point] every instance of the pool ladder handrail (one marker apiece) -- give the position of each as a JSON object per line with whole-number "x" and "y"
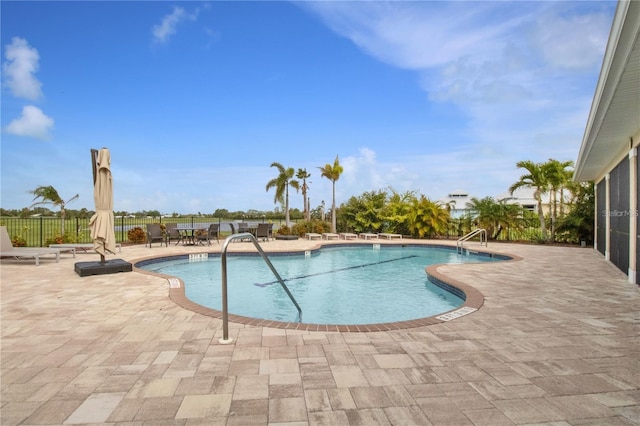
{"x": 480, "y": 231}
{"x": 225, "y": 312}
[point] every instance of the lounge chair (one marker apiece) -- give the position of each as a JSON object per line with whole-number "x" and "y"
{"x": 312, "y": 235}
{"x": 154, "y": 233}
{"x": 173, "y": 233}
{"x": 330, "y": 235}
{"x": 390, "y": 236}
{"x": 75, "y": 247}
{"x": 264, "y": 231}
{"x": 368, "y": 235}
{"x": 348, "y": 235}
{"x": 8, "y": 250}
{"x": 212, "y": 232}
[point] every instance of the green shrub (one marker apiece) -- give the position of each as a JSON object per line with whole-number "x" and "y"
{"x": 67, "y": 238}
{"x": 316, "y": 226}
{"x": 283, "y": 230}
{"x": 18, "y": 241}
{"x": 137, "y": 235}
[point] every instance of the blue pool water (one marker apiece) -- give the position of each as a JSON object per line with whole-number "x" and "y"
{"x": 339, "y": 285}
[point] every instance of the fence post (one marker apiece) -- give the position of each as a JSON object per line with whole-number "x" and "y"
{"x": 41, "y": 232}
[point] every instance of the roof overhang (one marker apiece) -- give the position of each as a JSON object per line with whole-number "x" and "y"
{"x": 614, "y": 117}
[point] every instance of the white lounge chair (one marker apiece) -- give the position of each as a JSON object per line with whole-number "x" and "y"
{"x": 348, "y": 235}
{"x": 75, "y": 247}
{"x": 330, "y": 235}
{"x": 368, "y": 235}
{"x": 390, "y": 236}
{"x": 8, "y": 250}
{"x": 312, "y": 235}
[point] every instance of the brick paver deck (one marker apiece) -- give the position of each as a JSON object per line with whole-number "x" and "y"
{"x": 556, "y": 342}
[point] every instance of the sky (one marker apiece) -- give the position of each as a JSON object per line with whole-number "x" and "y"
{"x": 196, "y": 100}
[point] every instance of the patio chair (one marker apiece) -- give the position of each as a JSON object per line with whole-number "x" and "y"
{"x": 239, "y": 231}
{"x": 264, "y": 231}
{"x": 154, "y": 233}
{"x": 8, "y": 250}
{"x": 212, "y": 232}
{"x": 173, "y": 233}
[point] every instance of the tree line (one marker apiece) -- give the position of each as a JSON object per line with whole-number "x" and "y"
{"x": 570, "y": 209}
{"x": 569, "y": 216}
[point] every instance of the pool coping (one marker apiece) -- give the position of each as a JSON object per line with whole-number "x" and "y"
{"x": 473, "y": 298}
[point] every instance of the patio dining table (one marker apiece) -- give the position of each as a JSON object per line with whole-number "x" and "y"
{"x": 249, "y": 228}
{"x": 189, "y": 234}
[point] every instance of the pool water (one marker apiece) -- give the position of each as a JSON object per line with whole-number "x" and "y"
{"x": 340, "y": 285}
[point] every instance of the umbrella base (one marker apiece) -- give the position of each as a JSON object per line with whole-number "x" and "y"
{"x": 98, "y": 268}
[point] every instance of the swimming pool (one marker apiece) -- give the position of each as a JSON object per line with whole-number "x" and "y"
{"x": 364, "y": 284}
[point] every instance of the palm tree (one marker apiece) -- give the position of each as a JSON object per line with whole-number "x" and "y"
{"x": 281, "y": 183}
{"x": 536, "y": 179}
{"x": 559, "y": 178}
{"x": 49, "y": 195}
{"x": 333, "y": 174}
{"x": 494, "y": 216}
{"x": 302, "y": 174}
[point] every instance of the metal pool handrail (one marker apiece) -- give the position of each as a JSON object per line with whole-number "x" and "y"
{"x": 225, "y": 313}
{"x": 481, "y": 231}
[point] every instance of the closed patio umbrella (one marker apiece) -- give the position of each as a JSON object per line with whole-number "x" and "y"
{"x": 101, "y": 223}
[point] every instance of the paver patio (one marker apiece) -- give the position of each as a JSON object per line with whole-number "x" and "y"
{"x": 556, "y": 342}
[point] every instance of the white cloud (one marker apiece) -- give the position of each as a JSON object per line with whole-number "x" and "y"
{"x": 32, "y": 123}
{"x": 521, "y": 73}
{"x": 360, "y": 171}
{"x": 572, "y": 42}
{"x": 170, "y": 22}
{"x": 480, "y": 169}
{"x": 19, "y": 69}
{"x": 489, "y": 52}
{"x": 420, "y": 35}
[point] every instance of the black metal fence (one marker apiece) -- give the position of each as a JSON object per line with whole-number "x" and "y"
{"x": 523, "y": 229}
{"x": 41, "y": 231}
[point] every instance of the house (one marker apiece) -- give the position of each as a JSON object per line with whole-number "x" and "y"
{"x": 458, "y": 202}
{"x": 523, "y": 197}
{"x": 609, "y": 152}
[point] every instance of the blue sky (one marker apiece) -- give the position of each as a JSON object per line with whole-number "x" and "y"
{"x": 195, "y": 100}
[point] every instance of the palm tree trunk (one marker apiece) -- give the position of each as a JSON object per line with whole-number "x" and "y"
{"x": 554, "y": 214}
{"x": 543, "y": 227}
{"x": 333, "y": 209}
{"x": 286, "y": 208}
